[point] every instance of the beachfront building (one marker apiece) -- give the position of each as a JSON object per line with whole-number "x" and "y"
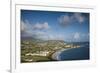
{"x": 41, "y": 53}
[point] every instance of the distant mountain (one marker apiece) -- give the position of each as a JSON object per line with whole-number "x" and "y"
{"x": 27, "y": 38}
{"x": 55, "y": 40}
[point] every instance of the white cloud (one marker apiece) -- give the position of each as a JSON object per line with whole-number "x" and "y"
{"x": 33, "y": 30}
{"x": 40, "y": 33}
{"x": 25, "y": 32}
{"x": 23, "y": 26}
{"x": 56, "y": 37}
{"x": 80, "y": 37}
{"x": 64, "y": 20}
{"x": 77, "y": 36}
{"x": 79, "y": 17}
{"x": 40, "y": 26}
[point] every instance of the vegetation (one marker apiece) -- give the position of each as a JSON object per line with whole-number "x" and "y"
{"x": 39, "y": 50}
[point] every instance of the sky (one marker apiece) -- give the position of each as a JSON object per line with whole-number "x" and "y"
{"x": 51, "y": 25}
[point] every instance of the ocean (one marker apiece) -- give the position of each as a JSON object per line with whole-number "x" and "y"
{"x": 82, "y": 53}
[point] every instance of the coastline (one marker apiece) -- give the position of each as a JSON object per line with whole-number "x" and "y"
{"x": 56, "y": 54}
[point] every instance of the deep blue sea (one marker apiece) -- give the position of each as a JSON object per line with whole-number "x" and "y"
{"x": 81, "y": 53}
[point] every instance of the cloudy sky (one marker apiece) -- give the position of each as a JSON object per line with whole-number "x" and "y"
{"x": 49, "y": 25}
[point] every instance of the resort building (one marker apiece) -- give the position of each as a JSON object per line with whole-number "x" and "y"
{"x": 41, "y": 53}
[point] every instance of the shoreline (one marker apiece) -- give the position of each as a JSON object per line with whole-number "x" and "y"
{"x": 56, "y": 54}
